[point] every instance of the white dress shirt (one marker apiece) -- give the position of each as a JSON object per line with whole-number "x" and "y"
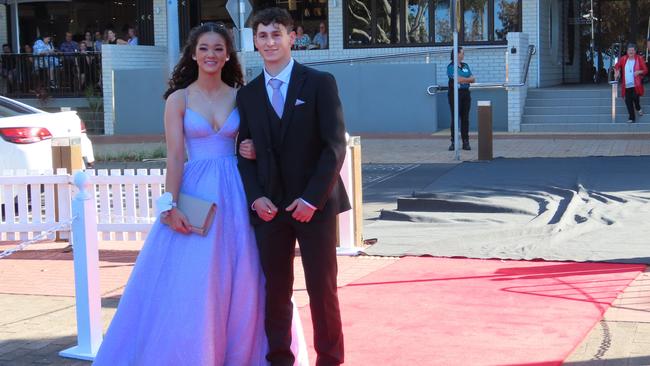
{"x": 285, "y": 77}
{"x": 629, "y": 73}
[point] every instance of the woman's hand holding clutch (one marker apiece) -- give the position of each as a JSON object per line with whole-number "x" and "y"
{"x": 176, "y": 220}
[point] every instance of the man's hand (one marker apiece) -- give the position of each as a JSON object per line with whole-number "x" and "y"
{"x": 301, "y": 212}
{"x": 247, "y": 149}
{"x": 638, "y": 72}
{"x": 616, "y": 74}
{"x": 176, "y": 221}
{"x": 265, "y": 209}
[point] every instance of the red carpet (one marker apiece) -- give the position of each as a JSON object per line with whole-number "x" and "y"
{"x": 452, "y": 312}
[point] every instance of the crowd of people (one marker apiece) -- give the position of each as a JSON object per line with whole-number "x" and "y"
{"x": 72, "y": 61}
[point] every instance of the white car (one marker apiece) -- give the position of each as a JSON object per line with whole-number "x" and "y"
{"x": 26, "y": 135}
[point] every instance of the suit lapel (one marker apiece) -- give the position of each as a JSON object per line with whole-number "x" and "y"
{"x": 259, "y": 115}
{"x": 298, "y": 76}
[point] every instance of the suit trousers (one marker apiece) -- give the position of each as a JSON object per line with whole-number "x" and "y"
{"x": 276, "y": 241}
{"x": 632, "y": 102}
{"x": 464, "y": 105}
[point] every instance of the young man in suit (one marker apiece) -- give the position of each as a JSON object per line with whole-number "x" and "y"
{"x": 294, "y": 117}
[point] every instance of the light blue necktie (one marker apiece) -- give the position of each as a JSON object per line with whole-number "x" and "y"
{"x": 277, "y": 101}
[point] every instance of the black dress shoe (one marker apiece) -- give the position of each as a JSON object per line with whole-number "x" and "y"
{"x": 452, "y": 147}
{"x": 466, "y": 146}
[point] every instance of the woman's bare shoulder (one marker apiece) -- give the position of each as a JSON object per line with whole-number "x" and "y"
{"x": 176, "y": 99}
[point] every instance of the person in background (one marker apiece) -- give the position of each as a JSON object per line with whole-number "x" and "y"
{"x": 8, "y": 66}
{"x": 465, "y": 77}
{"x": 68, "y": 48}
{"x": 85, "y": 63}
{"x": 302, "y": 39}
{"x": 633, "y": 69}
{"x": 26, "y": 68}
{"x": 88, "y": 41}
{"x": 110, "y": 36}
{"x": 48, "y": 61}
{"x": 69, "y": 45}
{"x": 97, "y": 46}
{"x": 133, "y": 38}
{"x": 320, "y": 39}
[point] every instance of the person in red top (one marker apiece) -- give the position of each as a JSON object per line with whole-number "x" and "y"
{"x": 630, "y": 70}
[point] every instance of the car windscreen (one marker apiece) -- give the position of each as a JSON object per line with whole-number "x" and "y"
{"x": 8, "y": 109}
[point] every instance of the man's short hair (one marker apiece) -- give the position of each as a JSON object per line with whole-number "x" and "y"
{"x": 631, "y": 45}
{"x": 272, "y": 15}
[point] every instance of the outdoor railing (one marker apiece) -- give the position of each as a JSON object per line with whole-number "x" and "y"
{"x": 55, "y": 75}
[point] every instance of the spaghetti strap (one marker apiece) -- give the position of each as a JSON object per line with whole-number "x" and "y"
{"x": 186, "y": 94}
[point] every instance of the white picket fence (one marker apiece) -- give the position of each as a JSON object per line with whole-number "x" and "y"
{"x": 31, "y": 200}
{"x": 42, "y": 199}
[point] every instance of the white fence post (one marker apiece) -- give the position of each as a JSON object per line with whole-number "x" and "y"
{"x": 86, "y": 271}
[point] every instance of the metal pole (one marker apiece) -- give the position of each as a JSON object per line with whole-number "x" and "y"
{"x": 16, "y": 28}
{"x": 647, "y": 38}
{"x": 173, "y": 40}
{"x": 455, "y": 83}
{"x": 242, "y": 22}
{"x": 456, "y": 147}
{"x": 592, "y": 43}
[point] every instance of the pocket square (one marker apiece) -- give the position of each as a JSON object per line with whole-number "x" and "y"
{"x": 300, "y": 102}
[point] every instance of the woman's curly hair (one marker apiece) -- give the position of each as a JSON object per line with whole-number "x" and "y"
{"x": 187, "y": 70}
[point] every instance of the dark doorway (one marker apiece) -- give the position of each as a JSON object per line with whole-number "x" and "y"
{"x": 144, "y": 19}
{"x": 615, "y": 24}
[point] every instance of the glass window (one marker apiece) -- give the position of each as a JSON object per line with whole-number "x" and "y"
{"x": 8, "y": 109}
{"x": 428, "y": 22}
{"x": 475, "y": 14}
{"x": 506, "y": 18}
{"x": 387, "y": 21}
{"x": 359, "y": 22}
{"x": 442, "y": 25}
{"x": 417, "y": 21}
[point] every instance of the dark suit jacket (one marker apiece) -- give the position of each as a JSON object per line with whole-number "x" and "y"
{"x": 307, "y": 162}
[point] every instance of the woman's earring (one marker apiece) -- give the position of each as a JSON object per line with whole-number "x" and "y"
{"x": 227, "y": 59}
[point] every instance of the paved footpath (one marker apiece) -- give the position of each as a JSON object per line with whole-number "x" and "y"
{"x": 36, "y": 285}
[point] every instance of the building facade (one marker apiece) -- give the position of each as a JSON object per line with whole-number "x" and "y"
{"x": 573, "y": 39}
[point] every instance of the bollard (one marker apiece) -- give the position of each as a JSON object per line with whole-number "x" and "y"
{"x": 484, "y": 130}
{"x": 86, "y": 272}
{"x": 350, "y": 222}
{"x": 66, "y": 154}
